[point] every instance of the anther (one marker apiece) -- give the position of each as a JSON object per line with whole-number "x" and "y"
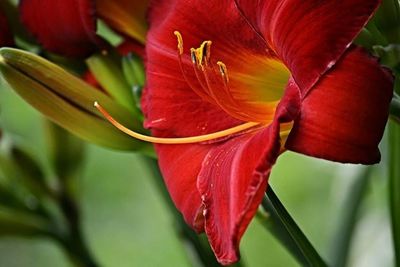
{"x": 201, "y": 53}
{"x": 180, "y": 41}
{"x": 193, "y": 55}
{"x": 223, "y": 70}
{"x": 184, "y": 140}
{"x": 207, "y": 51}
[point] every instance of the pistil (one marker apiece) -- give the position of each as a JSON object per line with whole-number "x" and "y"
{"x": 243, "y": 128}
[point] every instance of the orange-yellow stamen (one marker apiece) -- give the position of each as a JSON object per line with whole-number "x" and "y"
{"x": 180, "y": 41}
{"x": 223, "y": 70}
{"x": 184, "y": 140}
{"x": 201, "y": 55}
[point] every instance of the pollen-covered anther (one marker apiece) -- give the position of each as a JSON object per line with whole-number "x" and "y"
{"x": 223, "y": 70}
{"x": 201, "y": 56}
{"x": 180, "y": 41}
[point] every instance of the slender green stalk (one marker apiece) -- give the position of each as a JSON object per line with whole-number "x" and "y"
{"x": 394, "y": 186}
{"x": 394, "y": 176}
{"x": 348, "y": 218}
{"x": 74, "y": 244}
{"x": 395, "y": 109}
{"x": 66, "y": 154}
{"x": 285, "y": 229}
{"x": 196, "y": 244}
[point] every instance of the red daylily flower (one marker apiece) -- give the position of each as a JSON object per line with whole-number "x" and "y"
{"x": 68, "y": 27}
{"x": 6, "y": 37}
{"x": 283, "y": 70}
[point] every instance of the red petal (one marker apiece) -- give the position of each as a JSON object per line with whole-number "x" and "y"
{"x": 309, "y": 35}
{"x": 344, "y": 116}
{"x": 66, "y": 27}
{"x": 232, "y": 183}
{"x": 180, "y": 165}
{"x": 6, "y": 38}
{"x": 234, "y": 177}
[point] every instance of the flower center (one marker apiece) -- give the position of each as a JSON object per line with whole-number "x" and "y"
{"x": 248, "y": 92}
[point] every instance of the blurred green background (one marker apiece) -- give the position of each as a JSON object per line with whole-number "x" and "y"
{"x": 126, "y": 223}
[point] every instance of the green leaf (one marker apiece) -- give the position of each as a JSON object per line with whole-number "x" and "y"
{"x": 395, "y": 109}
{"x": 133, "y": 69}
{"x": 108, "y": 73}
{"x": 389, "y": 55}
{"x": 134, "y": 73}
{"x": 31, "y": 172}
{"x": 13, "y": 222}
{"x": 67, "y": 155}
{"x": 349, "y": 218}
{"x": 68, "y": 101}
{"x": 279, "y": 222}
{"x": 65, "y": 151}
{"x": 8, "y": 197}
{"x": 365, "y": 39}
{"x": 387, "y": 20}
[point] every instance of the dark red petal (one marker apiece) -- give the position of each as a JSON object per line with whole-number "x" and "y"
{"x": 309, "y": 35}
{"x": 180, "y": 165}
{"x": 6, "y": 38}
{"x": 344, "y": 116}
{"x": 232, "y": 183}
{"x": 66, "y": 27}
{"x": 234, "y": 177}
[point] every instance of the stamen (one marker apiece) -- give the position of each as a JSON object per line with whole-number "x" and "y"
{"x": 208, "y": 52}
{"x": 224, "y": 71}
{"x": 199, "y": 78}
{"x": 201, "y": 53}
{"x": 183, "y": 140}
{"x": 184, "y": 74}
{"x": 180, "y": 41}
{"x": 228, "y": 104}
{"x": 193, "y": 55}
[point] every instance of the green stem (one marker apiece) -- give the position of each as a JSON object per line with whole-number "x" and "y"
{"x": 197, "y": 244}
{"x": 348, "y": 219}
{"x": 74, "y": 243}
{"x": 285, "y": 229}
{"x": 394, "y": 186}
{"x": 394, "y": 176}
{"x": 395, "y": 109}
